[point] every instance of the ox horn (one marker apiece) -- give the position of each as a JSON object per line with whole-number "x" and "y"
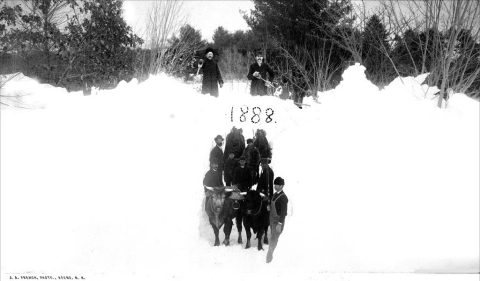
{"x": 228, "y": 189}
{"x": 208, "y": 187}
{"x": 261, "y": 194}
{"x": 243, "y": 193}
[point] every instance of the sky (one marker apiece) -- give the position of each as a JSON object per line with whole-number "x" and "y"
{"x": 203, "y": 15}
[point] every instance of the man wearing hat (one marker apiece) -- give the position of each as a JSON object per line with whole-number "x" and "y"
{"x": 278, "y": 211}
{"x": 211, "y": 74}
{"x": 265, "y": 185}
{"x": 217, "y": 153}
{"x": 242, "y": 177}
{"x": 213, "y": 178}
{"x": 265, "y": 180}
{"x": 229, "y": 167}
{"x": 258, "y": 74}
{"x": 252, "y": 156}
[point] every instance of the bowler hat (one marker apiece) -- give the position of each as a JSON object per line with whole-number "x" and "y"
{"x": 218, "y": 137}
{"x": 279, "y": 181}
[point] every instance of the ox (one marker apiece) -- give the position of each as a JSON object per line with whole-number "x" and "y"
{"x": 255, "y": 216}
{"x": 220, "y": 212}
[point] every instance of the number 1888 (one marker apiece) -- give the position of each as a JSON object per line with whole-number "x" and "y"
{"x": 254, "y": 115}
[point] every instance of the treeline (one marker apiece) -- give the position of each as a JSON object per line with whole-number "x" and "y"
{"x": 311, "y": 42}
{"x": 76, "y": 44}
{"x": 81, "y": 43}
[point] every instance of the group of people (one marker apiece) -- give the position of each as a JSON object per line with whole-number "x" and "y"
{"x": 260, "y": 74}
{"x": 238, "y": 167}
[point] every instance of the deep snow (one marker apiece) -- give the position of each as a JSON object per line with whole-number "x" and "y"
{"x": 109, "y": 185}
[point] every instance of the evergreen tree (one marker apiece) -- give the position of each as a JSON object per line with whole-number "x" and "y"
{"x": 375, "y": 50}
{"x": 297, "y": 34}
{"x": 101, "y": 46}
{"x": 34, "y": 27}
{"x": 222, "y": 38}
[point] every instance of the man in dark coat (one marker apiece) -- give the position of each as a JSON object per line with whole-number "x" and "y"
{"x": 213, "y": 178}
{"x": 252, "y": 156}
{"x": 278, "y": 212}
{"x": 211, "y": 74}
{"x": 265, "y": 185}
{"x": 242, "y": 177}
{"x": 265, "y": 180}
{"x": 217, "y": 154}
{"x": 259, "y": 70}
{"x": 230, "y": 165}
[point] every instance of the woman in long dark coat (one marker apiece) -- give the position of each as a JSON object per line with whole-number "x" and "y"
{"x": 256, "y": 73}
{"x": 211, "y": 75}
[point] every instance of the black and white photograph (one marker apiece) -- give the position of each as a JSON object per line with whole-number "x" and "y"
{"x": 334, "y": 140}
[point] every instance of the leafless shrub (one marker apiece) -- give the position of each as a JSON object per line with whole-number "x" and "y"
{"x": 449, "y": 42}
{"x": 165, "y": 19}
{"x": 308, "y": 69}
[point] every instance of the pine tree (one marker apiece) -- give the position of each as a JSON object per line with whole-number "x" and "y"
{"x": 375, "y": 50}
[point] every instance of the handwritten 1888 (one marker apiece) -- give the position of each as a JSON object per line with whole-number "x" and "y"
{"x": 254, "y": 115}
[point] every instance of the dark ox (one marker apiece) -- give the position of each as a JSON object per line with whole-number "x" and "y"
{"x": 255, "y": 216}
{"x": 220, "y": 213}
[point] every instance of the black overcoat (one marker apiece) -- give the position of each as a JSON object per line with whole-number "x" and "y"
{"x": 217, "y": 153}
{"x": 265, "y": 182}
{"x": 212, "y": 178}
{"x": 258, "y": 86}
{"x": 211, "y": 77}
{"x": 243, "y": 178}
{"x": 230, "y": 165}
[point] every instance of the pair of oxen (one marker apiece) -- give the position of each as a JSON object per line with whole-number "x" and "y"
{"x": 226, "y": 203}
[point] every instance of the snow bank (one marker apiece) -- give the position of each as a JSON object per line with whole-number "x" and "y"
{"x": 20, "y": 91}
{"x": 109, "y": 185}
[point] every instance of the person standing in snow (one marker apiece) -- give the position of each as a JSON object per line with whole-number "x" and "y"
{"x": 211, "y": 74}
{"x": 265, "y": 180}
{"x": 217, "y": 154}
{"x": 229, "y": 167}
{"x": 256, "y": 73}
{"x": 242, "y": 178}
{"x": 265, "y": 186}
{"x": 278, "y": 212}
{"x": 252, "y": 156}
{"x": 213, "y": 178}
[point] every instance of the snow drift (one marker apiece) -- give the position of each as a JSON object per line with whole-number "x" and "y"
{"x": 109, "y": 185}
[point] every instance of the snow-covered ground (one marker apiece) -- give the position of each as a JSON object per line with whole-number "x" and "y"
{"x": 382, "y": 184}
